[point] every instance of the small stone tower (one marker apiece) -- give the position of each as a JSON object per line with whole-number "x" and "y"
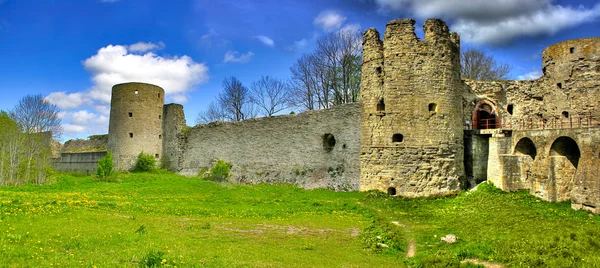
{"x": 411, "y": 111}
{"x": 135, "y": 126}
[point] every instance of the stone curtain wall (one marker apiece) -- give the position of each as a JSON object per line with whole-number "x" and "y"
{"x": 412, "y": 132}
{"x": 314, "y": 149}
{"x": 80, "y": 162}
{"x": 136, "y": 111}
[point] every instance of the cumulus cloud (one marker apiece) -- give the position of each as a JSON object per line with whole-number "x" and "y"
{"x": 114, "y": 64}
{"x": 83, "y": 121}
{"x": 87, "y": 111}
{"x": 329, "y": 20}
{"x": 265, "y": 40}
{"x": 66, "y": 101}
{"x": 143, "y": 46}
{"x": 493, "y": 22}
{"x": 231, "y": 56}
{"x": 530, "y": 76}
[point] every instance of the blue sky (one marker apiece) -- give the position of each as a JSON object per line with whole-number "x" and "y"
{"x": 74, "y": 51}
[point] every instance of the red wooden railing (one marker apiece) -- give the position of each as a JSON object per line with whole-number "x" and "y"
{"x": 538, "y": 123}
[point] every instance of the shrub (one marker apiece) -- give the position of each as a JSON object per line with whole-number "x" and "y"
{"x": 105, "y": 168}
{"x": 145, "y": 162}
{"x": 219, "y": 172}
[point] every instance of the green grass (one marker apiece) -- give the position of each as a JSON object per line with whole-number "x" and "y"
{"x": 166, "y": 220}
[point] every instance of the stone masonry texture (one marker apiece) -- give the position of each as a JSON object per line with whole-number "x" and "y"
{"x": 419, "y": 129}
{"x": 411, "y": 124}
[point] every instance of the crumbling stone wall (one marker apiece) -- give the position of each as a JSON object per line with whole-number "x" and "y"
{"x": 135, "y": 126}
{"x": 314, "y": 149}
{"x": 562, "y": 104}
{"x": 95, "y": 143}
{"x": 411, "y": 124}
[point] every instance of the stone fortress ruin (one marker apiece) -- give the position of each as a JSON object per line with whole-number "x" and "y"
{"x": 419, "y": 129}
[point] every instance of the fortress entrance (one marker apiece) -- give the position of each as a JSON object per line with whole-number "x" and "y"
{"x": 484, "y": 116}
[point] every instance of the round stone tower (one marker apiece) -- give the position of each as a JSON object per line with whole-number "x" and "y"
{"x": 135, "y": 122}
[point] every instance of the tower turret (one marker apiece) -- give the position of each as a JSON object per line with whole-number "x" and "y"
{"x": 412, "y": 146}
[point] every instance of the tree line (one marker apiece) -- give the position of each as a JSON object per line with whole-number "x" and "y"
{"x": 328, "y": 76}
{"x": 26, "y": 136}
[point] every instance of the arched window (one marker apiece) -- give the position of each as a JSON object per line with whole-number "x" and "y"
{"x": 510, "y": 108}
{"x": 484, "y": 116}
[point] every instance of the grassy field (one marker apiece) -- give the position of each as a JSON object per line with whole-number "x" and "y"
{"x": 168, "y": 220}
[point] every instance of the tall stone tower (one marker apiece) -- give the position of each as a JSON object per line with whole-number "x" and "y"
{"x": 411, "y": 111}
{"x": 135, "y": 126}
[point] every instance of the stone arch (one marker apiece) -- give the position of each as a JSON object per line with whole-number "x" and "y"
{"x": 564, "y": 159}
{"x": 567, "y": 147}
{"x": 485, "y": 115}
{"x": 525, "y": 146}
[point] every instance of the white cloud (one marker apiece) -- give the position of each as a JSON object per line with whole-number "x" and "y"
{"x": 116, "y": 64}
{"x": 68, "y": 100}
{"x": 143, "y": 47}
{"x": 351, "y": 29}
{"x": 231, "y": 56}
{"x": 329, "y": 20}
{"x": 71, "y": 130}
{"x": 265, "y": 40}
{"x": 492, "y": 22}
{"x": 83, "y": 122}
{"x": 300, "y": 44}
{"x": 109, "y": 1}
{"x": 179, "y": 98}
{"x": 530, "y": 76}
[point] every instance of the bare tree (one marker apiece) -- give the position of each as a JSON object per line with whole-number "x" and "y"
{"x": 304, "y": 83}
{"x": 331, "y": 74}
{"x": 271, "y": 95}
{"x": 35, "y": 114}
{"x": 477, "y": 64}
{"x": 212, "y": 113}
{"x": 235, "y": 100}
